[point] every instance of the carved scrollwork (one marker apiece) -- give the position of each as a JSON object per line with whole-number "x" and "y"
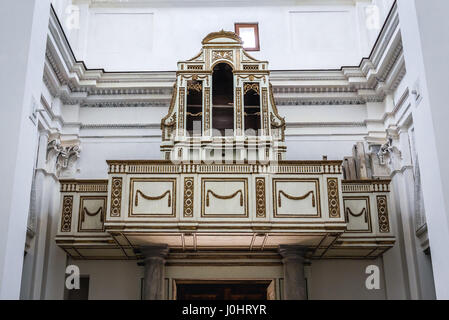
{"x": 333, "y": 197}
{"x": 382, "y": 213}
{"x": 260, "y": 198}
{"x": 387, "y": 150}
{"x": 66, "y": 217}
{"x": 138, "y": 192}
{"x": 222, "y": 54}
{"x": 251, "y": 86}
{"x": 195, "y": 86}
{"x": 116, "y": 196}
{"x": 188, "y": 196}
{"x": 290, "y": 197}
{"x": 64, "y": 154}
{"x": 194, "y": 114}
{"x": 224, "y": 197}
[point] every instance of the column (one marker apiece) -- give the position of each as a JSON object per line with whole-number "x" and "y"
{"x": 154, "y": 264}
{"x": 24, "y": 26}
{"x": 424, "y": 25}
{"x": 294, "y": 277}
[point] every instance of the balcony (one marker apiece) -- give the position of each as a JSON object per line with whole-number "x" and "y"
{"x": 201, "y": 207}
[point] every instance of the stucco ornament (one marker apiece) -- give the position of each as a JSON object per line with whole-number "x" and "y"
{"x": 390, "y": 152}
{"x": 62, "y": 156}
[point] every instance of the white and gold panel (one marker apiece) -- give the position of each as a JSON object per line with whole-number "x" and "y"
{"x": 91, "y": 215}
{"x": 296, "y": 198}
{"x": 152, "y": 197}
{"x": 224, "y": 197}
{"x": 357, "y": 214}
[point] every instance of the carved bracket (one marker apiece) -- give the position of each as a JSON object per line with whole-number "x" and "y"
{"x": 387, "y": 150}
{"x": 62, "y": 156}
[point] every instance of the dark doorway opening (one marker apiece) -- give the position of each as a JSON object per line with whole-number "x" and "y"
{"x": 223, "y": 290}
{"x": 252, "y": 109}
{"x": 194, "y": 115}
{"x": 222, "y": 98}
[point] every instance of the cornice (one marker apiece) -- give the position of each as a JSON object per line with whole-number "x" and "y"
{"x": 376, "y": 76}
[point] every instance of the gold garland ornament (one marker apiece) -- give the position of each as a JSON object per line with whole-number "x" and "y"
{"x": 348, "y": 211}
{"x": 136, "y": 201}
{"x": 296, "y": 198}
{"x": 92, "y": 214}
{"x": 224, "y": 197}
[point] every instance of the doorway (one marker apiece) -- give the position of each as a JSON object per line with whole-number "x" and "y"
{"x": 225, "y": 290}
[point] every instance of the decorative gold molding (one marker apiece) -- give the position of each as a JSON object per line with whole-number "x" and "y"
{"x": 333, "y": 197}
{"x": 382, "y": 212}
{"x": 364, "y": 186}
{"x": 66, "y": 216}
{"x": 116, "y": 196}
{"x": 224, "y": 197}
{"x": 275, "y": 181}
{"x": 83, "y": 212}
{"x": 136, "y": 201}
{"x": 238, "y": 103}
{"x": 279, "y": 167}
{"x": 265, "y": 116}
{"x": 251, "y": 67}
{"x": 85, "y": 186}
{"x": 222, "y": 55}
{"x": 188, "y": 197}
{"x": 169, "y": 114}
{"x": 171, "y": 193}
{"x": 261, "y": 210}
{"x": 295, "y": 198}
{"x": 196, "y": 86}
{"x": 205, "y": 194}
{"x": 247, "y": 86}
{"x": 195, "y": 67}
{"x": 222, "y": 34}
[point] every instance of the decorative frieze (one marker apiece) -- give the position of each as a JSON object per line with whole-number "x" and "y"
{"x": 116, "y": 196}
{"x": 206, "y": 110}
{"x": 238, "y": 112}
{"x": 85, "y": 186}
{"x": 278, "y": 167}
{"x": 222, "y": 55}
{"x": 382, "y": 214}
{"x": 362, "y": 186}
{"x": 182, "y": 93}
{"x": 66, "y": 215}
{"x": 333, "y": 197}
{"x": 261, "y": 210}
{"x": 265, "y": 117}
{"x": 188, "y": 197}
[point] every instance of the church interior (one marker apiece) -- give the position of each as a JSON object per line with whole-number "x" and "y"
{"x": 224, "y": 150}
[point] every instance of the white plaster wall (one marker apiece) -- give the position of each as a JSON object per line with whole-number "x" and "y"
{"x": 21, "y": 59}
{"x": 150, "y": 35}
{"x": 329, "y": 279}
{"x": 112, "y": 280}
{"x": 422, "y": 22}
{"x": 343, "y": 280}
